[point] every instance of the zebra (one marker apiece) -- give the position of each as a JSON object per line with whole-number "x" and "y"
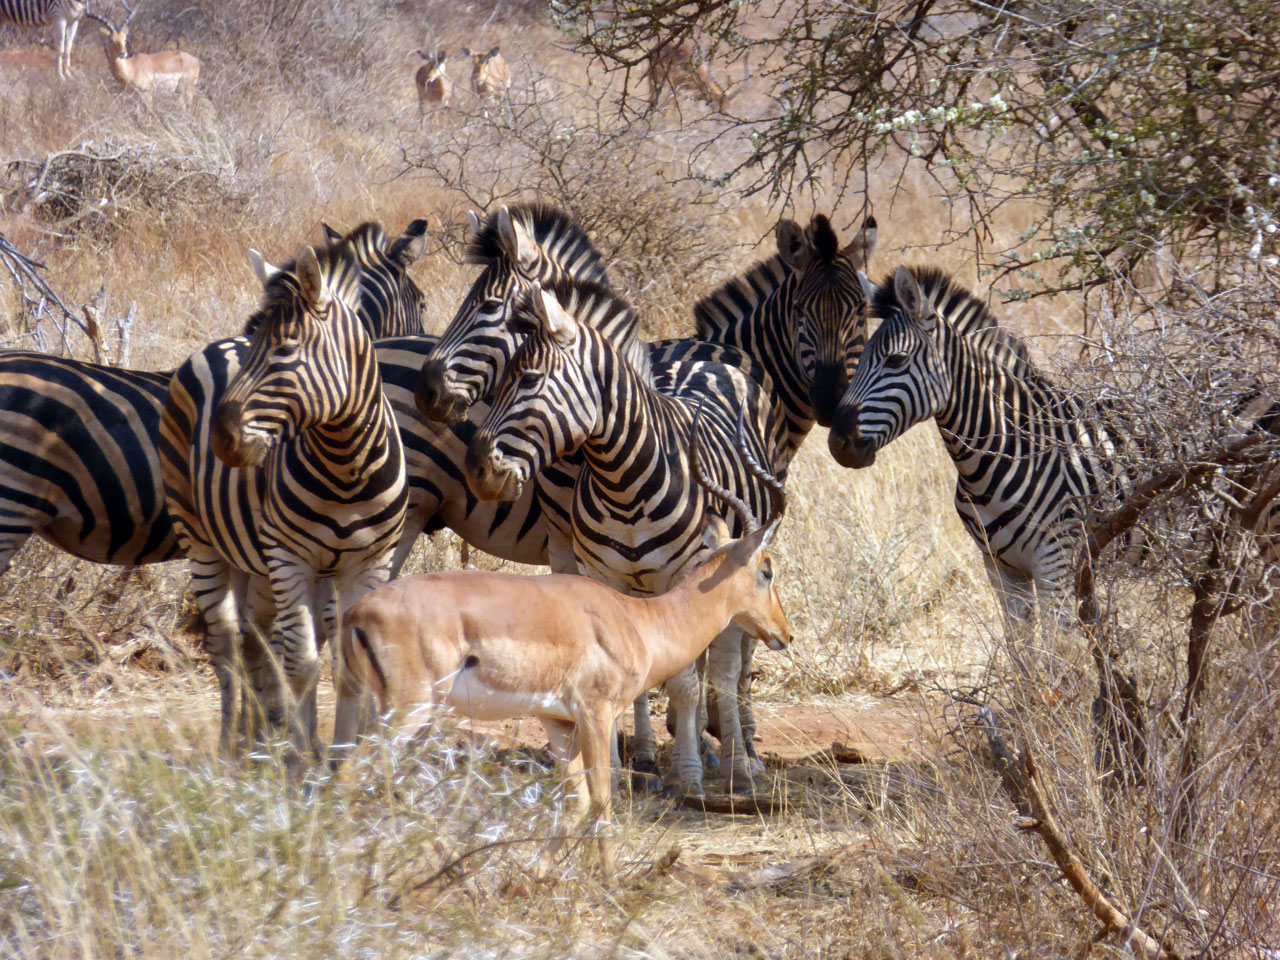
{"x": 78, "y": 462}
{"x": 281, "y": 462}
{"x": 40, "y": 13}
{"x": 1030, "y": 456}
{"x": 391, "y": 304}
{"x": 636, "y": 513}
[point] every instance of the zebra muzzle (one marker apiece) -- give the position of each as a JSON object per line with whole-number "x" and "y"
{"x": 846, "y": 442}
{"x": 489, "y": 476}
{"x": 829, "y": 385}
{"x": 436, "y": 399}
{"x": 231, "y": 443}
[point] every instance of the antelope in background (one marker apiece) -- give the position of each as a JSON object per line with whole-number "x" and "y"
{"x": 676, "y": 64}
{"x": 490, "y": 75}
{"x": 571, "y": 651}
{"x": 40, "y": 13}
{"x": 172, "y": 70}
{"x": 434, "y": 85}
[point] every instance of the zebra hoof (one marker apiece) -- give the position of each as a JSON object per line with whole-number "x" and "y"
{"x": 642, "y": 782}
{"x": 673, "y": 791}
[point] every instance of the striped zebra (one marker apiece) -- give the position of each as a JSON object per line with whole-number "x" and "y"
{"x": 637, "y": 514}
{"x": 282, "y": 462}
{"x": 1030, "y": 456}
{"x": 78, "y": 462}
{"x": 391, "y": 305}
{"x": 40, "y": 13}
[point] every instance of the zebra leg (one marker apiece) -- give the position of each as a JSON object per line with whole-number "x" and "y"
{"x": 211, "y": 582}
{"x": 258, "y": 615}
{"x": 724, "y": 666}
{"x": 745, "y": 703}
{"x": 294, "y": 642}
{"x": 685, "y": 775}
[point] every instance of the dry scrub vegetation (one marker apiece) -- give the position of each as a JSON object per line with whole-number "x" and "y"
{"x": 121, "y": 836}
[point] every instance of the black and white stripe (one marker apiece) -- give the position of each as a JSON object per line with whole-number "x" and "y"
{"x": 517, "y": 246}
{"x": 391, "y": 305}
{"x": 636, "y": 512}
{"x": 65, "y": 14}
{"x": 1031, "y": 457}
{"x": 800, "y": 314}
{"x": 308, "y": 479}
{"x": 78, "y": 461}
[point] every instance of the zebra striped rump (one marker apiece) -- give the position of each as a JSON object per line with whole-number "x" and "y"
{"x": 78, "y": 461}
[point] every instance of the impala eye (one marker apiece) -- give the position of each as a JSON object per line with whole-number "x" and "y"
{"x": 530, "y": 379}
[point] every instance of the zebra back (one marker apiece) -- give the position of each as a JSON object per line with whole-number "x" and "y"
{"x": 516, "y": 246}
{"x": 40, "y": 13}
{"x": 802, "y": 315}
{"x": 78, "y": 461}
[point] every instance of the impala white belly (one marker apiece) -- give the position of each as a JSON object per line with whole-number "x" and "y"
{"x": 469, "y": 696}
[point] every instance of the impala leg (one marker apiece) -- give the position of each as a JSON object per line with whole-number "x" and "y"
{"x": 593, "y": 736}
{"x": 347, "y": 591}
{"x": 745, "y": 703}
{"x": 563, "y": 741}
{"x": 724, "y": 665}
{"x": 685, "y": 775}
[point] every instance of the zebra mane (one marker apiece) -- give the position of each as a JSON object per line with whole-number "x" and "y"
{"x": 339, "y": 265}
{"x": 594, "y": 305}
{"x": 720, "y": 312}
{"x": 367, "y": 238}
{"x": 554, "y": 230}
{"x": 965, "y": 314}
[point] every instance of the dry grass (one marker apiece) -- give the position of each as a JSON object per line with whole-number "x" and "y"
{"x": 119, "y": 835}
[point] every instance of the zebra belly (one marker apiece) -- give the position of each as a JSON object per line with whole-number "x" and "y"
{"x": 470, "y": 696}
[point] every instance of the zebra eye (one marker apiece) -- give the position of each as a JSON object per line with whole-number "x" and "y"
{"x": 531, "y": 379}
{"x": 896, "y": 361}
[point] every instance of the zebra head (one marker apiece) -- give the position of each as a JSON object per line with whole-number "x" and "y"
{"x": 828, "y": 306}
{"x": 902, "y": 378}
{"x": 310, "y": 361}
{"x": 546, "y": 406}
{"x": 391, "y": 305}
{"x": 517, "y": 246}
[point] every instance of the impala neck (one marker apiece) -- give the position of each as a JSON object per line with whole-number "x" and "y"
{"x": 682, "y": 622}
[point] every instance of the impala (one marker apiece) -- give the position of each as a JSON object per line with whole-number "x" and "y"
{"x": 172, "y": 70}
{"x": 434, "y": 85}
{"x": 570, "y": 651}
{"x": 490, "y": 75}
{"x": 676, "y": 64}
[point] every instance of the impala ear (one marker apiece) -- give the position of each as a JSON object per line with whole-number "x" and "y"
{"x": 907, "y": 290}
{"x": 715, "y": 532}
{"x": 515, "y": 241}
{"x": 261, "y": 269}
{"x": 331, "y": 235}
{"x": 555, "y": 320}
{"x": 465, "y": 51}
{"x": 863, "y": 245}
{"x": 411, "y": 244}
{"x": 311, "y": 280}
{"x": 793, "y": 246}
{"x": 492, "y": 53}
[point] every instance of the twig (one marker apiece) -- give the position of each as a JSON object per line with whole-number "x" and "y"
{"x": 1043, "y": 823}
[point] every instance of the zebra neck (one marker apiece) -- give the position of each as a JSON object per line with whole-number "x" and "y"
{"x": 355, "y": 449}
{"x": 630, "y": 451}
{"x": 751, "y": 313}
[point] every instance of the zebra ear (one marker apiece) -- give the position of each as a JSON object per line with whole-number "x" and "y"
{"x": 515, "y": 241}
{"x": 907, "y": 290}
{"x": 411, "y": 245}
{"x": 331, "y": 236}
{"x": 793, "y": 245}
{"x": 261, "y": 269}
{"x": 562, "y": 327}
{"x": 868, "y": 287}
{"x": 863, "y": 245}
{"x": 473, "y": 220}
{"x": 311, "y": 279}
